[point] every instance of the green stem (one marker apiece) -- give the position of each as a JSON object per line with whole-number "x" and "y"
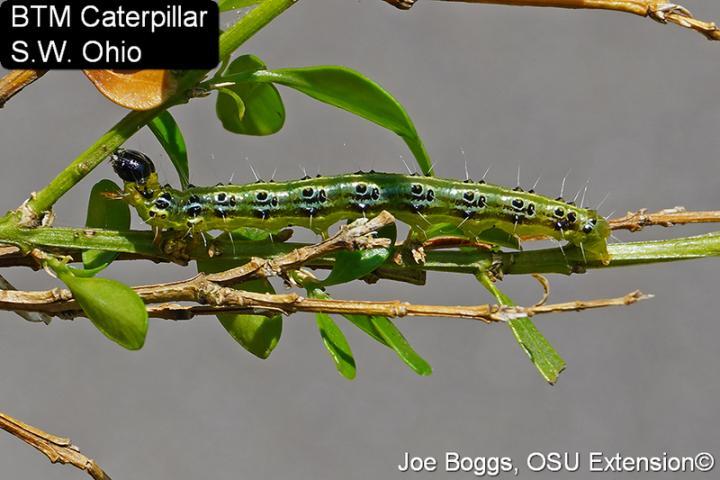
{"x": 552, "y": 260}
{"x": 88, "y": 160}
{"x": 251, "y": 23}
{"x": 230, "y": 40}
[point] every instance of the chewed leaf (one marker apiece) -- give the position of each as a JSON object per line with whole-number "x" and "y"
{"x": 114, "y": 308}
{"x": 249, "y": 108}
{"x": 350, "y": 90}
{"x": 171, "y": 138}
{"x": 258, "y": 334}
{"x": 106, "y": 213}
{"x": 335, "y": 341}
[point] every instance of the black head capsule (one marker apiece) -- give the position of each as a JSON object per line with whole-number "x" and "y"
{"x": 131, "y": 165}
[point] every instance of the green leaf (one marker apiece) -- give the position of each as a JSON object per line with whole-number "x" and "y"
{"x": 258, "y": 334}
{"x": 386, "y": 333}
{"x": 335, "y": 341}
{"x": 229, "y": 108}
{"x": 443, "y": 230}
{"x": 249, "y": 108}
{"x": 350, "y": 266}
{"x": 542, "y": 354}
{"x": 350, "y": 90}
{"x": 364, "y": 323}
{"x": 171, "y": 138}
{"x": 250, "y": 234}
{"x": 114, "y": 308}
{"x": 228, "y": 5}
{"x": 395, "y": 340}
{"x": 105, "y": 213}
{"x": 495, "y": 236}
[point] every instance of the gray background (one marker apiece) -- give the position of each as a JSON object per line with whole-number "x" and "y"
{"x": 622, "y": 101}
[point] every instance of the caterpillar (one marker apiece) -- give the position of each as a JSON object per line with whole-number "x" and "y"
{"x": 317, "y": 203}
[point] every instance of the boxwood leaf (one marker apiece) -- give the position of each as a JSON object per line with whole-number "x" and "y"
{"x": 106, "y": 213}
{"x": 351, "y": 265}
{"x": 542, "y": 354}
{"x": 363, "y": 323}
{"x": 114, "y": 308}
{"x": 334, "y": 340}
{"x": 350, "y": 90}
{"x": 258, "y": 334}
{"x": 249, "y": 108}
{"x": 171, "y": 138}
{"x": 385, "y": 332}
{"x": 395, "y": 340}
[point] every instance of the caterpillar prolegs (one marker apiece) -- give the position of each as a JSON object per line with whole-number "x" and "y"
{"x": 317, "y": 203}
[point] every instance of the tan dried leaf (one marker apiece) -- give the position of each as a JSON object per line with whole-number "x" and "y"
{"x": 134, "y": 89}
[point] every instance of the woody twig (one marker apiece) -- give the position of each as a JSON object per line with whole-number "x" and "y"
{"x": 57, "y": 449}
{"x": 661, "y": 11}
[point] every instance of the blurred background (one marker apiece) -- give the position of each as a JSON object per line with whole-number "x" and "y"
{"x": 621, "y": 101}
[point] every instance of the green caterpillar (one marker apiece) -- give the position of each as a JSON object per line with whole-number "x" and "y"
{"x": 317, "y": 203}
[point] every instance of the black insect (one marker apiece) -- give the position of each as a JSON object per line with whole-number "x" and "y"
{"x": 131, "y": 165}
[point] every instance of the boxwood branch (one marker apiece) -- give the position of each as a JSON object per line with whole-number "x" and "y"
{"x": 57, "y": 449}
{"x": 139, "y": 244}
{"x": 661, "y": 11}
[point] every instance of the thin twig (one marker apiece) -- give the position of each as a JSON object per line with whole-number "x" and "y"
{"x": 636, "y": 221}
{"x": 661, "y": 11}
{"x": 396, "y": 309}
{"x": 12, "y": 83}
{"x": 57, "y": 449}
{"x": 34, "y": 317}
{"x": 224, "y": 299}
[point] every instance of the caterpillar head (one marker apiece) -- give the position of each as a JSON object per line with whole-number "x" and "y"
{"x": 132, "y": 166}
{"x": 596, "y": 231}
